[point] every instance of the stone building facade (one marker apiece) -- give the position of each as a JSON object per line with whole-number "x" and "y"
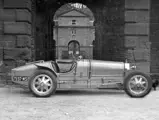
{"x": 74, "y": 26}
{"x": 124, "y": 29}
{"x": 137, "y": 32}
{"x": 16, "y": 31}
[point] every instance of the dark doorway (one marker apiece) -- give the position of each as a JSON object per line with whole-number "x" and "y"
{"x": 73, "y": 49}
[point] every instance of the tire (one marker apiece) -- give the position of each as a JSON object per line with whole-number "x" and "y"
{"x": 144, "y": 83}
{"x": 43, "y": 83}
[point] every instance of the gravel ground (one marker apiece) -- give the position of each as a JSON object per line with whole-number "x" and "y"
{"x": 19, "y": 104}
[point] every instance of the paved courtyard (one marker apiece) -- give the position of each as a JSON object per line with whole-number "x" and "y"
{"x": 19, "y": 104}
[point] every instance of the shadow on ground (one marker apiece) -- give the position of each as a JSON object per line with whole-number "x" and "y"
{"x": 88, "y": 92}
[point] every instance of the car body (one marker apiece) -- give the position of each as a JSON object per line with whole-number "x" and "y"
{"x": 45, "y": 77}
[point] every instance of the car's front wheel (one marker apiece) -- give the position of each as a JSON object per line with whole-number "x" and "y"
{"x": 43, "y": 83}
{"x": 137, "y": 84}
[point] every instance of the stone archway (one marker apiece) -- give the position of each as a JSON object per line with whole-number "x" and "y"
{"x": 109, "y": 26}
{"x": 74, "y": 21}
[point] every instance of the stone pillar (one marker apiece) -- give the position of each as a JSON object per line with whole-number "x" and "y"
{"x": 137, "y": 21}
{"x": 17, "y": 30}
{"x": 154, "y": 36}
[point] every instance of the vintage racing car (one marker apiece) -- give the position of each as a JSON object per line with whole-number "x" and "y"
{"x": 43, "y": 78}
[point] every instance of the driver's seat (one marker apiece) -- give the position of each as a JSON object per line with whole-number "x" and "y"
{"x": 62, "y": 63}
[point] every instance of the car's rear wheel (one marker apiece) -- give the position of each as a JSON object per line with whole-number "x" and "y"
{"x": 43, "y": 83}
{"x": 137, "y": 84}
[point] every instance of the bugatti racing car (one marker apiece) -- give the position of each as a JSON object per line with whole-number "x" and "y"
{"x": 43, "y": 78}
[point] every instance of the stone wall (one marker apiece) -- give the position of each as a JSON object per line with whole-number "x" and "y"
{"x": 137, "y": 42}
{"x": 154, "y": 36}
{"x": 15, "y": 31}
{"x": 119, "y": 24}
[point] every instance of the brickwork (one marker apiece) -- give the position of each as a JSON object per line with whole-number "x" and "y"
{"x": 137, "y": 4}
{"x": 15, "y": 31}
{"x": 23, "y": 15}
{"x": 23, "y": 28}
{"x": 8, "y": 41}
{"x": 24, "y": 4}
{"x": 23, "y": 41}
{"x": 137, "y": 42}
{"x": 137, "y": 28}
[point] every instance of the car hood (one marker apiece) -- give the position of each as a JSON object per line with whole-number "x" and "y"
{"x": 111, "y": 68}
{"x": 107, "y": 64}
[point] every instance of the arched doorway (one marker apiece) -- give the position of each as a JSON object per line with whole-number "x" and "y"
{"x": 108, "y": 19}
{"x": 73, "y": 24}
{"x": 73, "y": 49}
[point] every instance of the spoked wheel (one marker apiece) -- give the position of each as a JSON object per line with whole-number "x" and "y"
{"x": 137, "y": 84}
{"x": 43, "y": 83}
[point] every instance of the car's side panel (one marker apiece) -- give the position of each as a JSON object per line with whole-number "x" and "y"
{"x": 106, "y": 68}
{"x": 81, "y": 74}
{"x": 65, "y": 80}
{"x": 82, "y": 71}
{"x": 105, "y": 72}
{"x": 85, "y": 74}
{"x": 92, "y": 74}
{"x": 77, "y": 78}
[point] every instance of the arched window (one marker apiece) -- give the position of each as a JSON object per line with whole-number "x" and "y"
{"x": 74, "y": 48}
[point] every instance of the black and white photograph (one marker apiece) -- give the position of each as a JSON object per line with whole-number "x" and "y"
{"x": 79, "y": 59}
